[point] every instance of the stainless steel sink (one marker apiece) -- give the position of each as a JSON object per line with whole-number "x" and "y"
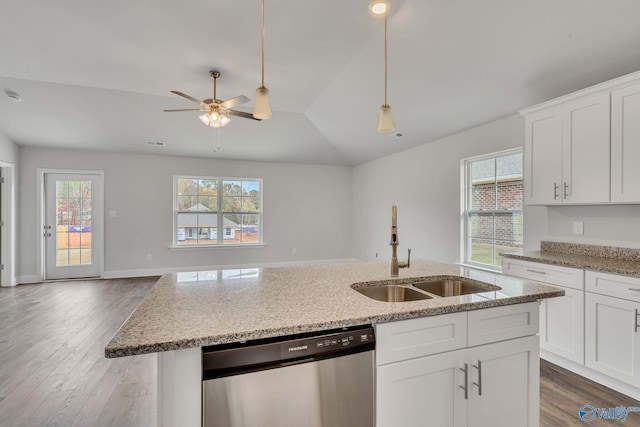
{"x": 393, "y": 293}
{"x": 452, "y": 287}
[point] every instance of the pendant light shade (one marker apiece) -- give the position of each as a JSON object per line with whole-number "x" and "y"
{"x": 262, "y": 107}
{"x": 385, "y": 124}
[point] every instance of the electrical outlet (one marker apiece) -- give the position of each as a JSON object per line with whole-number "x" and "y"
{"x": 578, "y": 227}
{"x": 294, "y": 251}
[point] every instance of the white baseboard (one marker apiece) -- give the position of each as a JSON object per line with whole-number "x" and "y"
{"x": 582, "y": 370}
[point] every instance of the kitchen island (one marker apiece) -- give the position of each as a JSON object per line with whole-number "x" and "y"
{"x": 186, "y": 311}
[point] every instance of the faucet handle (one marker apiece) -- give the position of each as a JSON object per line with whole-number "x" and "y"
{"x": 408, "y": 257}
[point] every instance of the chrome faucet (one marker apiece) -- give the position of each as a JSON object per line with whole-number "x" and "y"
{"x": 395, "y": 265}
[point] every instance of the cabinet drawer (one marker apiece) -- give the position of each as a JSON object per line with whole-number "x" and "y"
{"x": 613, "y": 285}
{"x": 547, "y": 273}
{"x": 407, "y": 339}
{"x": 502, "y": 323}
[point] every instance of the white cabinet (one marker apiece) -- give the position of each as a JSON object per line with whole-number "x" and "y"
{"x": 493, "y": 384}
{"x": 613, "y": 326}
{"x": 567, "y": 152}
{"x": 561, "y": 318}
{"x": 625, "y": 145}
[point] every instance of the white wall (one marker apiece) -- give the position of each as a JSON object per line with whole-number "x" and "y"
{"x": 424, "y": 183}
{"x": 305, "y": 207}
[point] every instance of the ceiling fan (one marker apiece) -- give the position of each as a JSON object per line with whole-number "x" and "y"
{"x": 215, "y": 110}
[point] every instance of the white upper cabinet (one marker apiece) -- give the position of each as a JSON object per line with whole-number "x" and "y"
{"x": 567, "y": 153}
{"x": 625, "y": 145}
{"x": 584, "y": 148}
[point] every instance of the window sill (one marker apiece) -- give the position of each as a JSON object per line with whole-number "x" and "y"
{"x": 204, "y": 247}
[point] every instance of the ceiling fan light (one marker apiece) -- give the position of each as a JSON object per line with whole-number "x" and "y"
{"x": 224, "y": 120}
{"x": 262, "y": 108}
{"x": 386, "y": 124}
{"x": 205, "y": 119}
{"x": 378, "y": 7}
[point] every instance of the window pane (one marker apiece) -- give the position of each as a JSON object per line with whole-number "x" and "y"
{"x": 481, "y": 225}
{"x": 510, "y": 195}
{"x": 509, "y": 167}
{"x": 185, "y": 203}
{"x": 188, "y": 186}
{"x": 482, "y": 180}
{"x": 231, "y": 233}
{"x": 250, "y": 204}
{"x": 508, "y": 227}
{"x": 250, "y": 188}
{"x": 481, "y": 250}
{"x": 207, "y": 203}
{"x": 208, "y": 187}
{"x": 232, "y": 204}
{"x": 232, "y": 188}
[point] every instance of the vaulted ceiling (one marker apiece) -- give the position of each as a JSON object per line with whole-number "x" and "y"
{"x": 97, "y": 74}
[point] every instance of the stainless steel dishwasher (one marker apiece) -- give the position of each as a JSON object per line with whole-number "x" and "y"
{"x": 313, "y": 380}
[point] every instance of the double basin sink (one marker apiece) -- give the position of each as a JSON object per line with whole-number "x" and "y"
{"x": 425, "y": 289}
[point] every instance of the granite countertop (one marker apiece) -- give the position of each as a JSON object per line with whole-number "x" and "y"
{"x": 186, "y": 310}
{"x": 609, "y": 259}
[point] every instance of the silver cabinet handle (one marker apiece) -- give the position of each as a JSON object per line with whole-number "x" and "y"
{"x": 555, "y": 191}
{"x": 466, "y": 381}
{"x": 634, "y": 289}
{"x": 479, "y": 383}
{"x": 536, "y": 271}
{"x": 636, "y": 326}
{"x": 566, "y": 187}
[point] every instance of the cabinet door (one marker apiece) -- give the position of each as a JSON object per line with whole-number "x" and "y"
{"x": 505, "y": 384}
{"x": 562, "y": 325}
{"x": 612, "y": 337}
{"x": 625, "y": 145}
{"x": 586, "y": 146}
{"x": 422, "y": 391}
{"x": 543, "y": 157}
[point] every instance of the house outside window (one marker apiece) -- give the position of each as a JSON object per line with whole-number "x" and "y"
{"x": 204, "y": 205}
{"x": 493, "y": 200}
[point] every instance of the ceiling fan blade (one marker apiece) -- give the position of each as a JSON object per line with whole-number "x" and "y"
{"x": 235, "y": 101}
{"x": 190, "y": 98}
{"x": 241, "y": 114}
{"x": 183, "y": 109}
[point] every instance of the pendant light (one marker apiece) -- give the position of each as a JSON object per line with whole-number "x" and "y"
{"x": 385, "y": 124}
{"x": 262, "y": 109}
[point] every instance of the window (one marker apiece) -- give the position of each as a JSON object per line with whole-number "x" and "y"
{"x": 493, "y": 221}
{"x": 204, "y": 205}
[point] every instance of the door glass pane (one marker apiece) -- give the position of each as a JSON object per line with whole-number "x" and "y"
{"x": 73, "y": 228}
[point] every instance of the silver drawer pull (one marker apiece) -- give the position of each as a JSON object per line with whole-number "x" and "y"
{"x": 634, "y": 289}
{"x": 536, "y": 271}
{"x": 466, "y": 381}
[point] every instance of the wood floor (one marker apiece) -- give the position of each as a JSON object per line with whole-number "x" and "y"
{"x": 52, "y": 366}
{"x": 53, "y": 371}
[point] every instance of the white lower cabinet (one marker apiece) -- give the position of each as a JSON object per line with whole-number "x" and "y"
{"x": 489, "y": 385}
{"x": 613, "y": 327}
{"x": 561, "y": 318}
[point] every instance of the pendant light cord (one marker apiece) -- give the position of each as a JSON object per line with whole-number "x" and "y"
{"x": 262, "y": 43}
{"x": 385, "y": 52}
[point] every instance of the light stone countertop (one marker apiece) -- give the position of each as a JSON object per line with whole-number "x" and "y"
{"x": 608, "y": 259}
{"x": 197, "y": 309}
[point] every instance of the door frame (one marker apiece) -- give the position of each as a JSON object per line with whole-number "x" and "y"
{"x": 7, "y": 214}
{"x": 41, "y": 218}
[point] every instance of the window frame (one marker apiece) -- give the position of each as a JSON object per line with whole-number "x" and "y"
{"x": 467, "y": 212}
{"x": 220, "y": 213}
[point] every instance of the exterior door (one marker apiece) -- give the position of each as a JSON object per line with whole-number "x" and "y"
{"x": 73, "y": 225}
